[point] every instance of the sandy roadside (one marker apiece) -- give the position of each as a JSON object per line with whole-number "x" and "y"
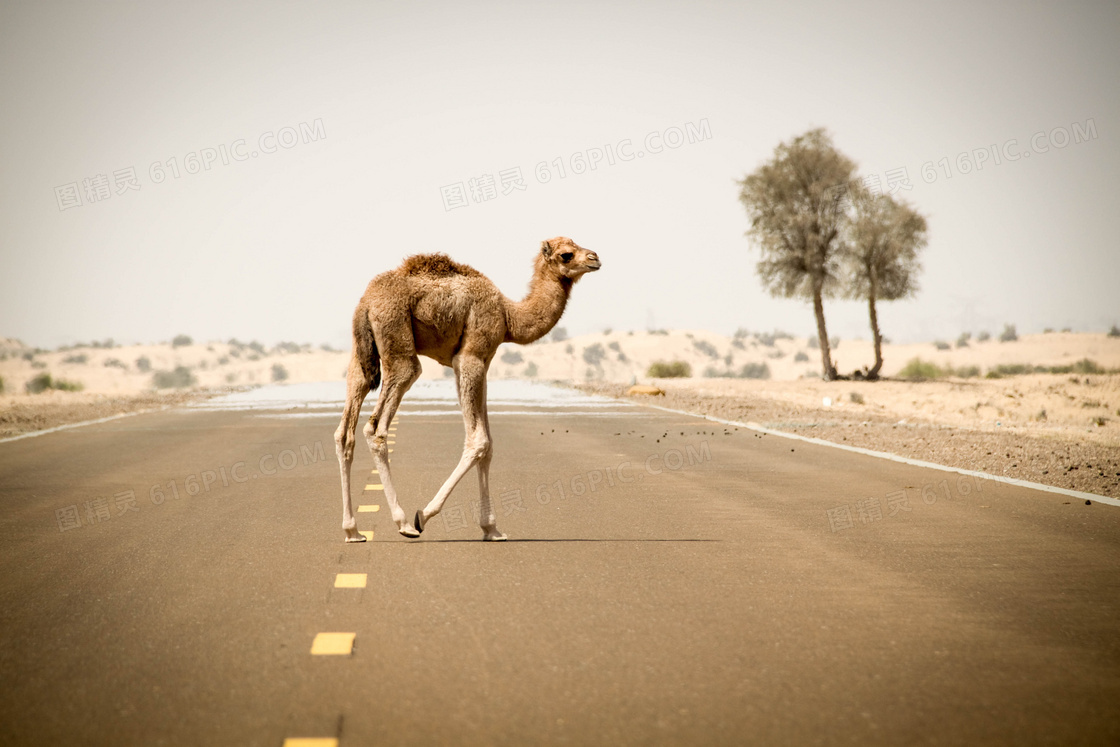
{"x": 1076, "y": 457}
{"x": 22, "y": 414}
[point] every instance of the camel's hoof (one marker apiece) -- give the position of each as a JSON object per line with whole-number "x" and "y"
{"x": 418, "y": 522}
{"x": 359, "y": 538}
{"x": 409, "y": 531}
{"x": 494, "y": 536}
{"x": 352, "y": 535}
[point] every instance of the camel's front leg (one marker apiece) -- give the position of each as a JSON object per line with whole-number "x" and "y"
{"x": 486, "y": 518}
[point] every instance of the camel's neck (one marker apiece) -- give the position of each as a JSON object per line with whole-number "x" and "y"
{"x": 535, "y": 315}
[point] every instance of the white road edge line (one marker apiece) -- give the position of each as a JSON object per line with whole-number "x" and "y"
{"x": 68, "y": 426}
{"x": 902, "y": 459}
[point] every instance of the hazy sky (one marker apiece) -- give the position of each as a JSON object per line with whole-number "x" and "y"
{"x": 336, "y": 136}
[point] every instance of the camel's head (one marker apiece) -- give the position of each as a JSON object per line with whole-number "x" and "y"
{"x": 568, "y": 259}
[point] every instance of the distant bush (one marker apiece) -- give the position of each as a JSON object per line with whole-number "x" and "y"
{"x": 288, "y": 347}
{"x": 801, "y": 357}
{"x": 856, "y": 397}
{"x": 669, "y": 370}
{"x": 559, "y": 334}
{"x": 1008, "y": 334}
{"x": 918, "y": 370}
{"x": 279, "y": 373}
{"x": 1083, "y": 366}
{"x": 29, "y": 355}
{"x": 738, "y": 343}
{"x": 1, "y": 384}
{"x": 962, "y": 341}
{"x": 754, "y": 371}
{"x": 115, "y": 363}
{"x": 326, "y": 348}
{"x": 706, "y": 348}
{"x": 179, "y": 378}
{"x": 1048, "y": 330}
{"x": 143, "y": 365}
{"x": 79, "y": 358}
{"x": 569, "y": 349}
{"x": 658, "y": 331}
{"x": 223, "y": 360}
{"x": 983, "y": 337}
{"x": 615, "y": 346}
{"x": 43, "y": 382}
{"x": 257, "y": 348}
{"x": 593, "y": 355}
{"x": 530, "y": 371}
{"x": 607, "y": 330}
{"x": 1114, "y": 332}
{"x": 512, "y": 357}
{"x": 814, "y": 343}
{"x": 966, "y": 372}
{"x": 941, "y": 345}
{"x": 181, "y": 341}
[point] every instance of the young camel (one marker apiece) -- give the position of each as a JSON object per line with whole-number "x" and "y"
{"x": 452, "y": 313}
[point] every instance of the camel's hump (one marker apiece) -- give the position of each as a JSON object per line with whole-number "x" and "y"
{"x": 436, "y": 265}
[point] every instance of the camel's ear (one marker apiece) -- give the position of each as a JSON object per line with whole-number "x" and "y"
{"x": 546, "y": 249}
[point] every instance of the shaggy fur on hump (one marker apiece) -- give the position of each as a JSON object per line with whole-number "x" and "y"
{"x": 436, "y": 264}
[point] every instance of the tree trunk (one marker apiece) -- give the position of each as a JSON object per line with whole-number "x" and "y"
{"x": 828, "y": 371}
{"x": 874, "y": 372}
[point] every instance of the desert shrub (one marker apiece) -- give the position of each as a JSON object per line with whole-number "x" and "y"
{"x": 38, "y": 364}
{"x": 622, "y": 357}
{"x": 287, "y": 347}
{"x": 181, "y": 340}
{"x": 962, "y": 341}
{"x": 593, "y": 355}
{"x": 669, "y": 370}
{"x": 615, "y": 346}
{"x": 29, "y": 355}
{"x": 607, "y": 330}
{"x": 279, "y": 373}
{"x": 79, "y": 358}
{"x": 983, "y": 336}
{"x": 834, "y": 342}
{"x": 814, "y": 343}
{"x": 765, "y": 338}
{"x": 658, "y": 331}
{"x": 569, "y": 349}
{"x": 253, "y": 357}
{"x": 143, "y": 365}
{"x": 941, "y": 345}
{"x": 775, "y": 354}
{"x": 1011, "y": 369}
{"x": 800, "y": 357}
{"x": 531, "y": 371}
{"x": 918, "y": 370}
{"x": 326, "y": 348}
{"x": 1047, "y": 330}
{"x": 1008, "y": 334}
{"x": 559, "y": 334}
{"x": 179, "y": 378}
{"x": 754, "y": 371}
{"x": 115, "y": 363}
{"x": 706, "y": 348}
{"x": 738, "y": 343}
{"x": 1114, "y": 332}
{"x": 856, "y": 397}
{"x": 43, "y": 382}
{"x": 512, "y": 357}
{"x": 223, "y": 360}
{"x": 257, "y": 348}
{"x": 966, "y": 372}
{"x": 1, "y": 384}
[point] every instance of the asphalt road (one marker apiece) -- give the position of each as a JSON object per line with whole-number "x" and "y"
{"x": 716, "y": 586}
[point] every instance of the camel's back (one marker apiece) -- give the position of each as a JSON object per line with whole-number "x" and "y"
{"x": 435, "y": 265}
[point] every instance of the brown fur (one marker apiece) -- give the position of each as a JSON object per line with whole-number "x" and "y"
{"x": 450, "y": 312}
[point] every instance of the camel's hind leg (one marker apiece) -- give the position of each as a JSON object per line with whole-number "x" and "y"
{"x": 400, "y": 373}
{"x": 357, "y": 387}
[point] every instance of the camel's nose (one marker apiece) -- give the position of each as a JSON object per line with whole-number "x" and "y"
{"x": 593, "y": 261}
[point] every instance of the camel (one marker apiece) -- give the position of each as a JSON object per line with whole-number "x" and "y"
{"x": 452, "y": 313}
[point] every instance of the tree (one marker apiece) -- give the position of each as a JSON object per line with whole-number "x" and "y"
{"x": 796, "y": 205}
{"x": 880, "y": 256}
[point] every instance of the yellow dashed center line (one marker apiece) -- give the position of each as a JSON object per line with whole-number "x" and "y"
{"x": 375, "y": 487}
{"x": 310, "y": 742}
{"x": 333, "y": 644}
{"x": 367, "y": 534}
{"x": 350, "y": 581}
{"x": 369, "y": 508}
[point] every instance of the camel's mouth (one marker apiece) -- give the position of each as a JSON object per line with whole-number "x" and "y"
{"x": 593, "y": 266}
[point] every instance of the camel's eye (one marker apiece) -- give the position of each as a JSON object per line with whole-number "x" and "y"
{"x": 566, "y": 257}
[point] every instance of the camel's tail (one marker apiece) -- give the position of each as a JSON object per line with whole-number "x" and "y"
{"x": 365, "y": 348}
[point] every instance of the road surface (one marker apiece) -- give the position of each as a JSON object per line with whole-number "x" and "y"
{"x": 668, "y": 581}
